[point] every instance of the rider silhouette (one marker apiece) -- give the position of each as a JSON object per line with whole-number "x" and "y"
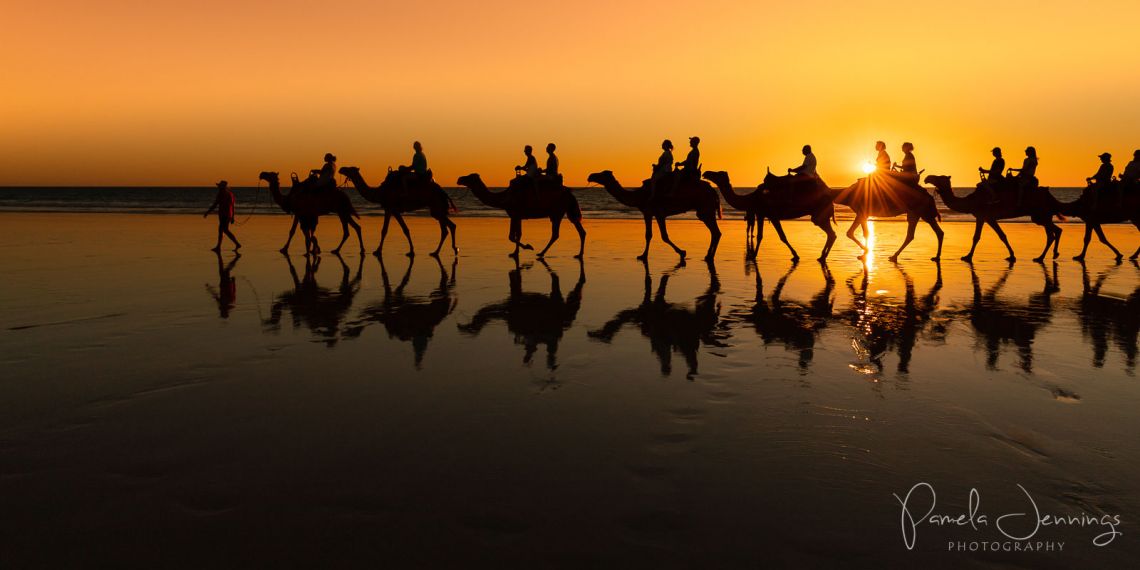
{"x": 1027, "y": 174}
{"x": 807, "y": 169}
{"x": 882, "y": 159}
{"x": 993, "y": 175}
{"x": 1099, "y": 182}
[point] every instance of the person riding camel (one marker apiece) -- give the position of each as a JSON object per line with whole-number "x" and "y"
{"x": 663, "y": 167}
{"x": 418, "y": 170}
{"x": 1131, "y": 175}
{"x": 882, "y": 159}
{"x": 529, "y": 171}
{"x": 1026, "y": 175}
{"x": 1098, "y": 182}
{"x": 323, "y": 178}
{"x": 807, "y": 169}
{"x": 907, "y": 171}
{"x": 993, "y": 176}
{"x": 691, "y": 166}
{"x": 551, "y": 171}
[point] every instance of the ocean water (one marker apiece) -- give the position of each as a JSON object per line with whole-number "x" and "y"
{"x": 595, "y": 202}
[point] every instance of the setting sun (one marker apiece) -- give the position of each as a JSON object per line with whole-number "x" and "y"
{"x": 867, "y": 167}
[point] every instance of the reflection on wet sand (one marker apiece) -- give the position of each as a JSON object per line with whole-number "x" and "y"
{"x": 319, "y": 309}
{"x": 881, "y": 324}
{"x": 533, "y": 318}
{"x": 225, "y": 295}
{"x": 795, "y": 324}
{"x": 1108, "y": 319}
{"x": 409, "y": 318}
{"x": 671, "y": 327}
{"x": 997, "y": 322}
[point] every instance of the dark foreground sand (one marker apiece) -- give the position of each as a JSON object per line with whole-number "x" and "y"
{"x": 161, "y": 409}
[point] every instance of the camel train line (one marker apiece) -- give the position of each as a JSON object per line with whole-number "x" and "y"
{"x": 776, "y": 199}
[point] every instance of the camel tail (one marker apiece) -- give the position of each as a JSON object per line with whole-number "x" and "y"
{"x": 719, "y": 209}
{"x": 451, "y": 207}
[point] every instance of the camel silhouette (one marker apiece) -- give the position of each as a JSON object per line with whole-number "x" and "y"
{"x": 316, "y": 308}
{"x": 882, "y": 324}
{"x": 882, "y": 195}
{"x": 671, "y": 327}
{"x": 689, "y": 196}
{"x": 396, "y": 201}
{"x": 1105, "y": 209}
{"x": 406, "y": 317}
{"x": 523, "y": 203}
{"x": 225, "y": 295}
{"x": 307, "y": 207}
{"x": 533, "y": 318}
{"x": 794, "y": 324}
{"x": 999, "y": 322}
{"x": 1039, "y": 205}
{"x": 1109, "y": 319}
{"x": 781, "y": 198}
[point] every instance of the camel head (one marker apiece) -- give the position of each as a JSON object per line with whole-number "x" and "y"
{"x": 938, "y": 181}
{"x": 717, "y": 177}
{"x": 603, "y": 177}
{"x": 349, "y": 171}
{"x": 268, "y": 177}
{"x": 470, "y": 180}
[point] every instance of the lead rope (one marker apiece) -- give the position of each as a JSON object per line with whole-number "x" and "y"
{"x": 252, "y": 208}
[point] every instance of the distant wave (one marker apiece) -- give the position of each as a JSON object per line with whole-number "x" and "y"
{"x": 595, "y": 202}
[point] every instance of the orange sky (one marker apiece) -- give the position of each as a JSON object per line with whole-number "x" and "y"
{"x": 158, "y": 92}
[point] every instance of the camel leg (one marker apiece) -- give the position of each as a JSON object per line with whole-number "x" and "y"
{"x": 383, "y": 233}
{"x": 1100, "y": 235}
{"x": 860, "y": 220}
{"x": 751, "y": 254}
{"x": 825, "y": 225}
{"x": 407, "y": 235}
{"x": 1136, "y": 253}
{"x": 555, "y": 229}
{"x": 750, "y": 225}
{"x": 359, "y": 236}
{"x": 442, "y": 237}
{"x": 911, "y": 224}
{"x": 1056, "y": 241}
{"x": 1085, "y": 249}
{"x": 1049, "y": 227}
{"x": 784, "y": 238}
{"x": 978, "y": 224}
{"x": 1001, "y": 235}
{"x": 343, "y": 238}
{"x": 648, "y": 237}
{"x": 714, "y": 234}
{"x": 581, "y": 237}
{"x": 938, "y": 233}
{"x": 451, "y": 227}
{"x": 292, "y": 230}
{"x": 665, "y": 237}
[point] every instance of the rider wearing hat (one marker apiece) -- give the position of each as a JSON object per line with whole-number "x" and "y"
{"x": 1099, "y": 181}
{"x": 993, "y": 175}
{"x": 690, "y": 167}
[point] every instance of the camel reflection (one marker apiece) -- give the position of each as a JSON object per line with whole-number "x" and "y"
{"x": 671, "y": 327}
{"x": 534, "y": 318}
{"x": 1107, "y": 319}
{"x": 794, "y": 324}
{"x": 406, "y": 317}
{"x": 225, "y": 295}
{"x": 998, "y": 322}
{"x": 882, "y": 324}
{"x": 319, "y": 309}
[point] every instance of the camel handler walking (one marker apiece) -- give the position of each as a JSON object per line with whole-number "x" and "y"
{"x": 224, "y": 204}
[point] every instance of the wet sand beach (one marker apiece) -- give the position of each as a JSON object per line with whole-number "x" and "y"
{"x": 165, "y": 407}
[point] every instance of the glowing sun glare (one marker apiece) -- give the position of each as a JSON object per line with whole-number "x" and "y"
{"x": 867, "y": 167}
